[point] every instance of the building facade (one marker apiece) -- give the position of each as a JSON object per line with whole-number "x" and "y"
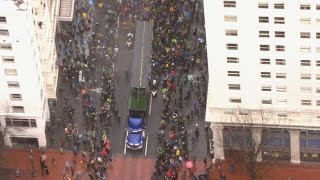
{"x": 28, "y": 69}
{"x": 264, "y": 56}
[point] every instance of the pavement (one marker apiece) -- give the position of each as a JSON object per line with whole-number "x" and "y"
{"x": 135, "y": 168}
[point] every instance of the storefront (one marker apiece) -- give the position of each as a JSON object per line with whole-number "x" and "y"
{"x": 310, "y": 146}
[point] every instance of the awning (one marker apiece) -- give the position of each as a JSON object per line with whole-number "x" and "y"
{"x": 66, "y": 10}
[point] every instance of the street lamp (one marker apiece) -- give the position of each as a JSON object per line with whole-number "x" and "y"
{"x": 33, "y": 172}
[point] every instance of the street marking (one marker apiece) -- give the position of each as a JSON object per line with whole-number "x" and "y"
{"x": 150, "y": 103}
{"x": 97, "y": 90}
{"x": 118, "y": 24}
{"x": 146, "y": 149}
{"x": 113, "y": 67}
{"x": 142, "y": 50}
{"x": 125, "y": 144}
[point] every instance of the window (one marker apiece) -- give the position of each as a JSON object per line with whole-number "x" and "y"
{"x": 234, "y": 86}
{"x": 279, "y": 34}
{"x": 232, "y": 4}
{"x": 264, "y": 48}
{"x": 10, "y": 72}
{"x": 263, "y": 5}
{"x": 281, "y": 75}
{"x": 305, "y": 62}
{"x": 318, "y": 102}
{"x": 280, "y": 62}
{"x": 266, "y": 101}
{"x": 305, "y": 35}
{"x": 317, "y": 76}
{"x": 235, "y": 100}
{"x": 282, "y": 101}
{"x": 16, "y": 97}
{"x": 231, "y": 32}
{"x": 317, "y": 20}
{"x": 318, "y": 90}
{"x": 263, "y": 19}
{"x": 264, "y": 61}
{"x": 264, "y": 34}
{"x": 306, "y": 102}
{"x": 282, "y": 114}
{"x": 318, "y": 63}
{"x": 13, "y": 84}
{"x": 265, "y": 74}
{"x": 33, "y": 123}
{"x": 305, "y": 49}
{"x": 230, "y": 18}
{"x": 279, "y": 20}
{"x": 232, "y": 46}
{"x": 6, "y": 46}
{"x": 304, "y": 20}
{"x": 280, "y": 48}
{"x": 305, "y": 76}
{"x": 318, "y": 7}
{"x": 279, "y": 6}
{"x": 4, "y": 32}
{"x": 281, "y": 88}
{"x": 305, "y": 6}
{"x": 317, "y": 49}
{"x": 265, "y": 88}
{"x": 232, "y": 60}
{"x": 234, "y": 73}
{"x": 8, "y": 59}
{"x": 318, "y": 35}
{"x": 21, "y": 122}
{"x": 8, "y": 122}
{"x": 3, "y": 19}
{"x": 17, "y": 109}
{"x": 305, "y": 89}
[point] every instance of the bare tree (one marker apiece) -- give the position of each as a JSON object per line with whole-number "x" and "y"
{"x": 249, "y": 140}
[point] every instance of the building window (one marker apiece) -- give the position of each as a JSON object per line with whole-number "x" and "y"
{"x": 234, "y": 86}
{"x": 280, "y": 62}
{"x": 264, "y": 34}
{"x": 234, "y": 73}
{"x": 318, "y": 63}
{"x": 305, "y": 49}
{"x": 318, "y": 6}
{"x": 305, "y": 20}
{"x": 305, "y": 62}
{"x": 306, "y": 102}
{"x": 265, "y": 74}
{"x": 3, "y": 19}
{"x": 305, "y": 76}
{"x": 263, "y": 19}
{"x": 263, "y": 5}
{"x": 281, "y": 88}
{"x": 231, "y": 32}
{"x": 17, "y": 109}
{"x": 33, "y": 123}
{"x": 317, "y": 49}
{"x": 317, "y": 76}
{"x": 279, "y": 34}
{"x": 318, "y": 90}
{"x": 318, "y": 35}
{"x": 266, "y": 101}
{"x": 280, "y": 48}
{"x": 7, "y": 59}
{"x": 10, "y": 72}
{"x": 305, "y": 6}
{"x": 281, "y": 75}
{"x": 305, "y": 89}
{"x": 264, "y": 61}
{"x": 13, "y": 84}
{"x": 6, "y": 46}
{"x": 21, "y": 122}
{"x": 279, "y": 6}
{"x": 232, "y": 46}
{"x": 4, "y": 32}
{"x": 317, "y": 20}
{"x": 15, "y": 97}
{"x": 235, "y": 100}
{"x": 264, "y": 48}
{"x": 232, "y": 60}
{"x": 318, "y": 102}
{"x": 305, "y": 35}
{"x": 232, "y": 4}
{"x": 282, "y": 114}
{"x": 230, "y": 18}
{"x": 282, "y": 101}
{"x": 279, "y": 20}
{"x": 265, "y": 88}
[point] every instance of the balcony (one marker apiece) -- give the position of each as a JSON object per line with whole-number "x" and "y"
{"x": 66, "y": 10}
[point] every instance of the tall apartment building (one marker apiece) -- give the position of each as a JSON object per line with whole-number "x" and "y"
{"x": 264, "y": 56}
{"x": 28, "y": 72}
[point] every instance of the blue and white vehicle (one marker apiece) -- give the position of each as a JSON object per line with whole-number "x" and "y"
{"x": 135, "y": 134}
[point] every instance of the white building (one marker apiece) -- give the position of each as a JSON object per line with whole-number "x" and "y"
{"x": 265, "y": 55}
{"x": 28, "y": 72}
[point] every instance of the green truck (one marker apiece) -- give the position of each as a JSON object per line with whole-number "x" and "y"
{"x": 139, "y": 90}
